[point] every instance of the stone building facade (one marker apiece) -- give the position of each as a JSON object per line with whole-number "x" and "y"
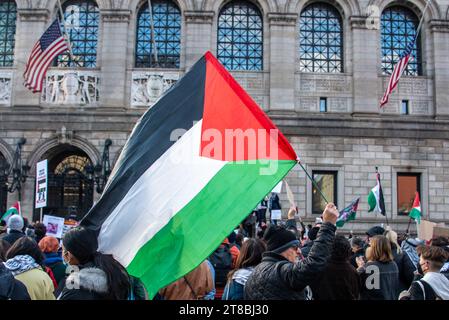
{"x": 332, "y": 119}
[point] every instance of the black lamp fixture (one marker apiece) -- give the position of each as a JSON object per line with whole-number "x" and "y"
{"x": 101, "y": 171}
{"x": 18, "y": 169}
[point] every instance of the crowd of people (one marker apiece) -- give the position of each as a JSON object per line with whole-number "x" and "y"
{"x": 260, "y": 260}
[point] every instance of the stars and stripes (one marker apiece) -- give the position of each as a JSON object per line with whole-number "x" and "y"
{"x": 397, "y": 72}
{"x": 46, "y": 49}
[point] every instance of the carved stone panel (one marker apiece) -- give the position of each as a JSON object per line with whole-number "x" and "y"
{"x": 339, "y": 104}
{"x": 71, "y": 87}
{"x": 311, "y": 83}
{"x": 308, "y": 104}
{"x": 5, "y": 88}
{"x": 148, "y": 86}
{"x": 420, "y": 107}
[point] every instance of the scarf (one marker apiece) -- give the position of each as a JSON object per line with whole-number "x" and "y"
{"x": 242, "y": 275}
{"x": 20, "y": 264}
{"x": 52, "y": 258}
{"x": 439, "y": 284}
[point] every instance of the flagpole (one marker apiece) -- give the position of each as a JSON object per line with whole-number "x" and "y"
{"x": 153, "y": 39}
{"x": 313, "y": 181}
{"x": 408, "y": 226}
{"x": 421, "y": 20}
{"x": 67, "y": 38}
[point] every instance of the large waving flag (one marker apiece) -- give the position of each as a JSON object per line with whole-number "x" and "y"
{"x": 170, "y": 202}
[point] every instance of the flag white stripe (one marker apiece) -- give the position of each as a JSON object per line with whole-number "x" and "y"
{"x": 158, "y": 195}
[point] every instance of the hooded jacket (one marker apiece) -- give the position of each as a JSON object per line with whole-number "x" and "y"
{"x": 12, "y": 236}
{"x": 89, "y": 283}
{"x": 10, "y": 288}
{"x": 276, "y": 278}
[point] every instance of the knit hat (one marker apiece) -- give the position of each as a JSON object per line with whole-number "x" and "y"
{"x": 279, "y": 239}
{"x": 375, "y": 231}
{"x": 49, "y": 245}
{"x": 15, "y": 222}
{"x": 82, "y": 243}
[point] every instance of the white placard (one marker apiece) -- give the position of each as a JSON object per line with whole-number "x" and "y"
{"x": 55, "y": 226}
{"x": 276, "y": 214}
{"x": 41, "y": 184}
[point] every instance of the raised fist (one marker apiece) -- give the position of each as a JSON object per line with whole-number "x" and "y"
{"x": 330, "y": 213}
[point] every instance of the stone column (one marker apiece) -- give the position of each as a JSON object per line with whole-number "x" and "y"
{"x": 283, "y": 50}
{"x": 198, "y": 35}
{"x": 31, "y": 24}
{"x": 440, "y": 35}
{"x": 365, "y": 52}
{"x": 113, "y": 58}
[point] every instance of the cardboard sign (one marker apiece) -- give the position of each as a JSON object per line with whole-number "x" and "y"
{"x": 55, "y": 226}
{"x": 425, "y": 230}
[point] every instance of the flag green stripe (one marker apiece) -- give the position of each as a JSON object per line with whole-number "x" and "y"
{"x": 198, "y": 229}
{"x": 372, "y": 201}
{"x": 415, "y": 214}
{"x": 10, "y": 212}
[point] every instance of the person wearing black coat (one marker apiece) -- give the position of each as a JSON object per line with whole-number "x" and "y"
{"x": 340, "y": 280}
{"x": 379, "y": 276}
{"x": 309, "y": 243}
{"x": 10, "y": 288}
{"x": 280, "y": 276}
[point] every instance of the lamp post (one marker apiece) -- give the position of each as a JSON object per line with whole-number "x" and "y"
{"x": 101, "y": 171}
{"x": 18, "y": 169}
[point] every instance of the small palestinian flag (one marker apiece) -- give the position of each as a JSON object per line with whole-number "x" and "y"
{"x": 15, "y": 209}
{"x": 348, "y": 213}
{"x": 376, "y": 197}
{"x": 415, "y": 213}
{"x": 195, "y": 165}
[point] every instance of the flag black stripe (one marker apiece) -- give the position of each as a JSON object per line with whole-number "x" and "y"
{"x": 179, "y": 108}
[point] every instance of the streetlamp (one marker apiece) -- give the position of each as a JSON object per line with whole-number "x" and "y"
{"x": 18, "y": 169}
{"x": 101, "y": 171}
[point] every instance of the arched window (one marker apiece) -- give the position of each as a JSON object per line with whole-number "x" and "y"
{"x": 321, "y": 39}
{"x": 167, "y": 34}
{"x": 8, "y": 14}
{"x": 398, "y": 29}
{"x": 240, "y": 36}
{"x": 82, "y": 18}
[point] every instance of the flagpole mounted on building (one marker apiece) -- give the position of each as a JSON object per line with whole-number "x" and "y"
{"x": 153, "y": 39}
{"x": 66, "y": 35}
{"x": 313, "y": 180}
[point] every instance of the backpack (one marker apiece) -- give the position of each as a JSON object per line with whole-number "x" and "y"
{"x": 221, "y": 260}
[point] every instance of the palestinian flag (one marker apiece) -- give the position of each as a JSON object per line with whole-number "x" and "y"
{"x": 415, "y": 213}
{"x": 195, "y": 165}
{"x": 15, "y": 209}
{"x": 376, "y": 198}
{"x": 348, "y": 213}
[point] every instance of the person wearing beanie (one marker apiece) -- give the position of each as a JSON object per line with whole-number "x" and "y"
{"x": 53, "y": 259}
{"x": 14, "y": 229}
{"x": 94, "y": 276}
{"x": 374, "y": 231}
{"x": 282, "y": 275}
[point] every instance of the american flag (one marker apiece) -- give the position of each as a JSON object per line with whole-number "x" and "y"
{"x": 49, "y": 46}
{"x": 397, "y": 72}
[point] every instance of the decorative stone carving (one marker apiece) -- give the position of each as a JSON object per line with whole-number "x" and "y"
{"x": 420, "y": 107}
{"x": 5, "y": 88}
{"x": 339, "y": 104}
{"x": 410, "y": 85}
{"x": 199, "y": 17}
{"x": 282, "y": 19}
{"x": 148, "y": 87}
{"x": 71, "y": 87}
{"x": 308, "y": 104}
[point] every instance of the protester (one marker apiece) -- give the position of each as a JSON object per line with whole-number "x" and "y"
{"x": 53, "y": 259}
{"x": 14, "y": 231}
{"x": 409, "y": 247}
{"x": 309, "y": 243}
{"x": 10, "y": 287}
{"x": 374, "y": 231}
{"x": 433, "y": 285}
{"x": 262, "y": 210}
{"x": 339, "y": 280}
{"x": 291, "y": 221}
{"x": 405, "y": 266}
{"x": 193, "y": 286}
{"x": 239, "y": 238}
{"x": 443, "y": 243}
{"x": 40, "y": 230}
{"x": 25, "y": 261}
{"x": 249, "y": 257}
{"x": 275, "y": 207}
{"x": 95, "y": 276}
{"x": 358, "y": 250}
{"x": 280, "y": 275}
{"x": 384, "y": 281}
